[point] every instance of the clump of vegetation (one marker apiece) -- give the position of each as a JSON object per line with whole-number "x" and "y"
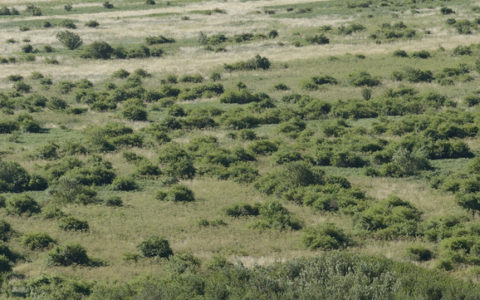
{"x": 258, "y": 62}
{"x": 177, "y": 193}
{"x": 155, "y": 247}
{"x": 37, "y": 241}
{"x": 326, "y": 237}
{"x": 68, "y": 255}
{"x": 22, "y": 205}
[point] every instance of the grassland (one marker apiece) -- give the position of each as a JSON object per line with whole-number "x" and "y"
{"x": 363, "y": 36}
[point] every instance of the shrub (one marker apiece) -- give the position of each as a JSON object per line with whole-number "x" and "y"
{"x": 124, "y": 184}
{"x": 68, "y": 255}
{"x": 446, "y": 11}
{"x": 421, "y": 54}
{"x": 318, "y": 39}
{"x": 241, "y": 97}
{"x": 5, "y": 230}
{"x": 114, "y": 201}
{"x": 363, "y": 79}
{"x": 327, "y": 236}
{"x": 133, "y": 109}
{"x": 177, "y": 162}
{"x": 71, "y": 190}
{"x": 21, "y": 86}
{"x": 153, "y": 40}
{"x": 98, "y": 50}
{"x": 417, "y": 75}
{"x": 400, "y": 53}
{"x": 92, "y": 24}
{"x": 37, "y": 241}
{"x": 263, "y": 147}
{"x": 419, "y": 253}
{"x": 179, "y": 193}
{"x": 56, "y": 103}
{"x": 107, "y": 5}
{"x": 68, "y": 24}
{"x": 472, "y": 100}
{"x": 255, "y": 63}
{"x": 390, "y": 218}
{"x": 22, "y": 205}
{"x": 275, "y": 216}
{"x": 155, "y": 247}
{"x": 243, "y": 210}
{"x": 13, "y": 178}
{"x": 70, "y": 223}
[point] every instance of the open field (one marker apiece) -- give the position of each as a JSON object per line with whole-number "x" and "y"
{"x": 246, "y": 132}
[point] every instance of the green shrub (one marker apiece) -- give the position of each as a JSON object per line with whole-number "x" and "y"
{"x": 37, "y": 241}
{"x": 179, "y": 193}
{"x": 71, "y": 190}
{"x": 22, "y": 205}
{"x": 155, "y": 247}
{"x": 390, "y": 218}
{"x": 13, "y": 178}
{"x": 472, "y": 100}
{"x": 134, "y": 110}
{"x": 273, "y": 215}
{"x": 5, "y": 230}
{"x": 98, "y": 50}
{"x": 319, "y": 39}
{"x": 417, "y": 75}
{"x": 419, "y": 253}
{"x": 263, "y": 147}
{"x": 114, "y": 201}
{"x": 327, "y": 236}
{"x": 241, "y": 97}
{"x": 153, "y": 40}
{"x": 243, "y": 210}
{"x": 400, "y": 53}
{"x": 68, "y": 255}
{"x": 92, "y": 24}
{"x": 363, "y": 79}
{"x": 124, "y": 184}
{"x": 421, "y": 54}
{"x": 69, "y": 39}
{"x": 255, "y": 63}
{"x": 70, "y": 223}
{"x": 68, "y": 24}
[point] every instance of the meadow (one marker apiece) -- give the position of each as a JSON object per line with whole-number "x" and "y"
{"x": 239, "y": 149}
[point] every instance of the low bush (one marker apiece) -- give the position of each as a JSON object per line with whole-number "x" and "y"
{"x": 70, "y": 223}
{"x": 22, "y": 205}
{"x": 419, "y": 253}
{"x": 69, "y": 39}
{"x": 243, "y": 210}
{"x": 68, "y": 255}
{"x": 179, "y": 193}
{"x": 363, "y": 79}
{"x": 326, "y": 236}
{"x": 124, "y": 184}
{"x": 155, "y": 247}
{"x": 274, "y": 215}
{"x": 255, "y": 63}
{"x": 37, "y": 241}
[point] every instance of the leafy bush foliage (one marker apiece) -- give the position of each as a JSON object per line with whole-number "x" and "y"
{"x": 155, "y": 247}
{"x": 327, "y": 236}
{"x": 69, "y": 39}
{"x": 68, "y": 255}
{"x": 22, "y": 205}
{"x": 70, "y": 223}
{"x": 37, "y": 241}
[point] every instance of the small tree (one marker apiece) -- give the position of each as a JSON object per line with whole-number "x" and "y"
{"x": 69, "y": 39}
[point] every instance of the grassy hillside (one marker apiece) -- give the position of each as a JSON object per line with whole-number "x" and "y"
{"x": 140, "y": 136}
